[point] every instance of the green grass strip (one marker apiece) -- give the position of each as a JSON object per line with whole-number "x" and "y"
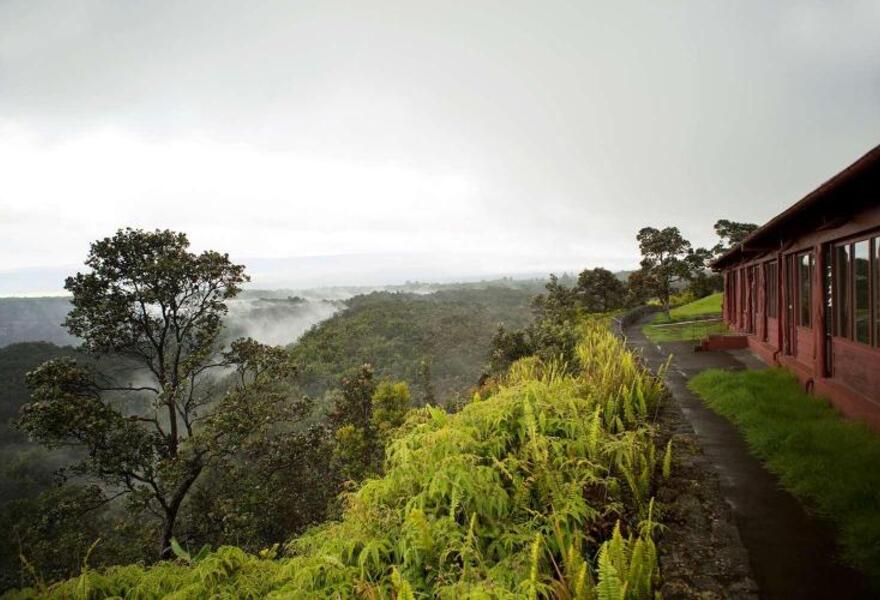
{"x": 704, "y": 308}
{"x": 685, "y": 332}
{"x": 710, "y": 306}
{"x": 829, "y": 463}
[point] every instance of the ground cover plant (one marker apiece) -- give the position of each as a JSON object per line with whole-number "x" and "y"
{"x": 824, "y": 460}
{"x": 540, "y": 487}
{"x": 692, "y": 321}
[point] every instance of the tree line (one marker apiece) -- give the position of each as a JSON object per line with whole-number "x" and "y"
{"x": 669, "y": 265}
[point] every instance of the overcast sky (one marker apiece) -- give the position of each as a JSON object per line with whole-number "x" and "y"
{"x": 418, "y": 140}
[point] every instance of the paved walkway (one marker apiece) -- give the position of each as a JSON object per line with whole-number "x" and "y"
{"x": 791, "y": 553}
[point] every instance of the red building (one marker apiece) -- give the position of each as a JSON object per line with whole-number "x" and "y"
{"x": 805, "y": 290}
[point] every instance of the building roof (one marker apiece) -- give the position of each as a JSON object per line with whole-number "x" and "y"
{"x": 822, "y": 207}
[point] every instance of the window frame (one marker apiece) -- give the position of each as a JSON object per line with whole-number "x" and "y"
{"x": 847, "y": 331}
{"x": 771, "y": 288}
{"x": 800, "y": 320}
{"x": 868, "y": 292}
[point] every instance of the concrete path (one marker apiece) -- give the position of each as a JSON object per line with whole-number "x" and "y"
{"x": 791, "y": 553}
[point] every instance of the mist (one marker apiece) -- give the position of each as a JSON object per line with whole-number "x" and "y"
{"x": 277, "y": 321}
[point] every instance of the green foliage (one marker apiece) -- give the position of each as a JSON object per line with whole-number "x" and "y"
{"x": 507, "y": 348}
{"x": 709, "y": 306}
{"x": 664, "y": 328}
{"x": 426, "y": 384}
{"x": 667, "y": 260}
{"x": 358, "y": 451}
{"x": 828, "y": 462}
{"x": 551, "y": 336}
{"x": 272, "y": 487}
{"x": 684, "y": 332}
{"x": 449, "y": 330}
{"x": 730, "y": 234}
{"x": 391, "y": 402}
{"x": 151, "y": 432}
{"x": 366, "y": 417}
{"x": 525, "y": 493}
{"x": 600, "y": 291}
{"x": 15, "y": 361}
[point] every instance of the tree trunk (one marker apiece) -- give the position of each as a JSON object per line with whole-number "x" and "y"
{"x": 171, "y": 511}
{"x": 165, "y": 552}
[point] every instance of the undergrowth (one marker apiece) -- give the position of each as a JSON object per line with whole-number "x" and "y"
{"x": 541, "y": 489}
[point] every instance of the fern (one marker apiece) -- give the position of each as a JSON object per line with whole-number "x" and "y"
{"x": 667, "y": 460}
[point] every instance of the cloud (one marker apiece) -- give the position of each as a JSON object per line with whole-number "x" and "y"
{"x": 514, "y": 134}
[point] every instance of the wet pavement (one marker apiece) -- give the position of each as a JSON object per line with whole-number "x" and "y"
{"x": 792, "y": 555}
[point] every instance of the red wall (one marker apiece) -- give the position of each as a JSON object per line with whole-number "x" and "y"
{"x": 854, "y": 384}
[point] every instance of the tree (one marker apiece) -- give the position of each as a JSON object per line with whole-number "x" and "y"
{"x": 274, "y": 487}
{"x": 667, "y": 259}
{"x": 425, "y": 384}
{"x": 599, "y": 290}
{"x": 149, "y": 432}
{"x": 507, "y": 347}
{"x": 640, "y": 287}
{"x": 731, "y": 233}
{"x": 391, "y": 402}
{"x": 352, "y": 419}
{"x": 558, "y": 304}
{"x": 365, "y": 417}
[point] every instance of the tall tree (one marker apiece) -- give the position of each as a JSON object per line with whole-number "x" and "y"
{"x": 667, "y": 260}
{"x": 426, "y": 384}
{"x": 352, "y": 419}
{"x": 558, "y": 304}
{"x": 391, "y": 403}
{"x": 365, "y": 417}
{"x": 599, "y": 290}
{"x": 150, "y": 432}
{"x": 730, "y": 234}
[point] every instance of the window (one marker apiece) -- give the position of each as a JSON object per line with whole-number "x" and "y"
{"x": 805, "y": 286}
{"x": 732, "y": 291}
{"x": 771, "y": 288}
{"x": 827, "y": 297}
{"x": 862, "y": 291}
{"x": 856, "y": 291}
{"x": 841, "y": 291}
{"x": 876, "y": 286}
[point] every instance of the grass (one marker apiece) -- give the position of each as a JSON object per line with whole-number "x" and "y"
{"x": 665, "y": 329}
{"x": 709, "y": 306}
{"x": 685, "y": 332}
{"x": 832, "y": 465}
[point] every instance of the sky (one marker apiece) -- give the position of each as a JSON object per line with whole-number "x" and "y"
{"x": 373, "y": 142}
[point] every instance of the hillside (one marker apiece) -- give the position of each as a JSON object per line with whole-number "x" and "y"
{"x": 542, "y": 489}
{"x": 449, "y": 330}
{"x": 16, "y": 360}
{"x": 34, "y": 319}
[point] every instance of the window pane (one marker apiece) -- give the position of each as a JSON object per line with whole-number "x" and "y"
{"x": 827, "y": 295}
{"x": 876, "y": 286}
{"x": 805, "y": 280}
{"x": 841, "y": 282}
{"x": 771, "y": 285}
{"x": 861, "y": 298}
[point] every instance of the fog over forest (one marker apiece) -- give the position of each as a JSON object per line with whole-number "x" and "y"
{"x": 274, "y": 320}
